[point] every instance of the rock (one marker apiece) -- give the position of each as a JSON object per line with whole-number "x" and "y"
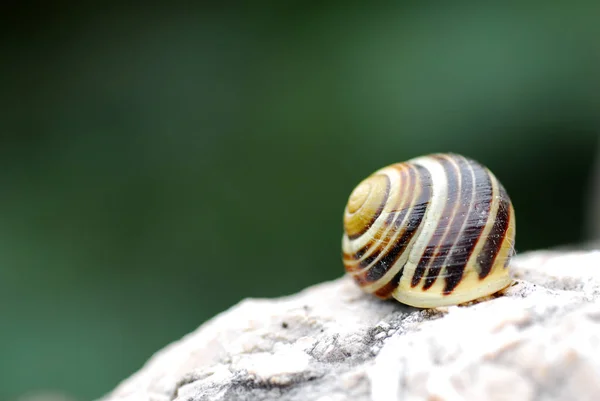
{"x": 540, "y": 340}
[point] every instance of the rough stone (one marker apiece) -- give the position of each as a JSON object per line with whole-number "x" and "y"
{"x": 540, "y": 340}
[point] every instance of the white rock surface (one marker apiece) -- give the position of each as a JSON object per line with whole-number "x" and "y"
{"x": 330, "y": 342}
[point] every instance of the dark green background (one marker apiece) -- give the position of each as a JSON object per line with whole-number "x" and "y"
{"x": 157, "y": 165}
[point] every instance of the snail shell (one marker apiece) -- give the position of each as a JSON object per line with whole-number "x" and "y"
{"x": 436, "y": 230}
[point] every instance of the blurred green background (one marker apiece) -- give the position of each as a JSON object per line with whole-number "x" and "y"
{"x": 159, "y": 164}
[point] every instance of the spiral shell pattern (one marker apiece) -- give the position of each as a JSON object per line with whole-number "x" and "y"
{"x": 436, "y": 230}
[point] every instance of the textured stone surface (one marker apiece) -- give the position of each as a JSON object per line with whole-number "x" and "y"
{"x": 330, "y": 342}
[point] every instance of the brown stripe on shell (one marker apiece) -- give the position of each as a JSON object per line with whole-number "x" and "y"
{"x": 384, "y": 200}
{"x": 386, "y": 291}
{"x": 455, "y": 228}
{"x": 474, "y": 227}
{"x": 491, "y": 248}
{"x": 399, "y": 209}
{"x": 415, "y": 218}
{"x": 402, "y": 202}
{"x": 442, "y": 224}
{"x": 397, "y": 225}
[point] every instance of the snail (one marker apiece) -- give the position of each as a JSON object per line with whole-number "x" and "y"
{"x": 433, "y": 231}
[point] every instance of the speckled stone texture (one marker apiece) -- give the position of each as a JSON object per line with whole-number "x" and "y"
{"x": 538, "y": 341}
